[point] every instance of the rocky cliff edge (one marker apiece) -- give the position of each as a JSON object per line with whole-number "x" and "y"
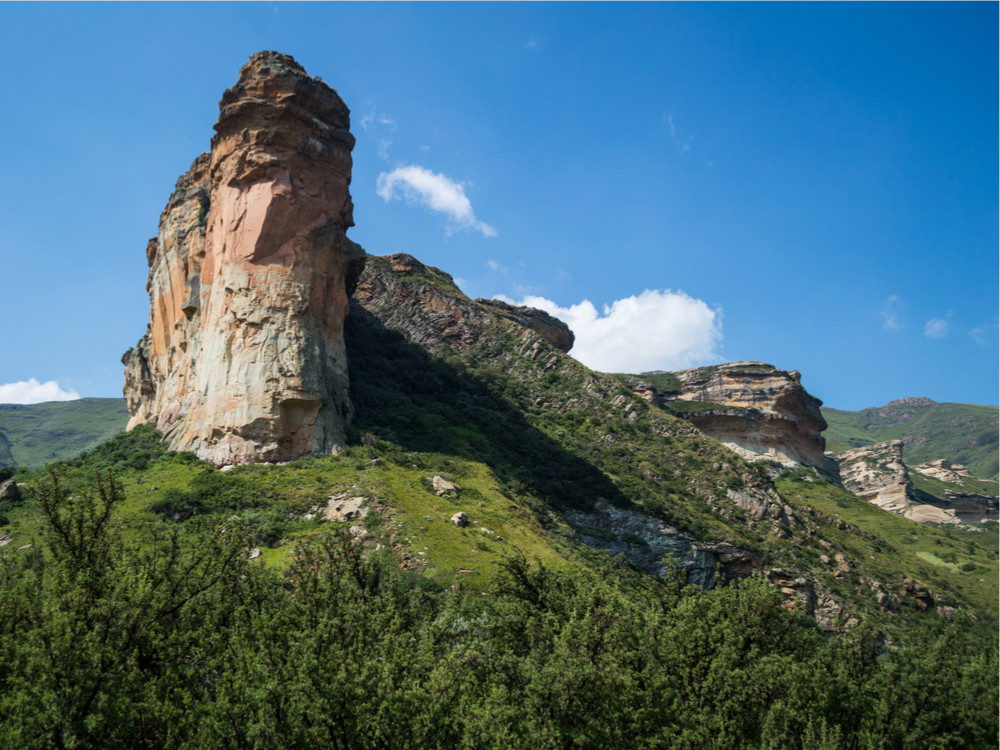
{"x": 243, "y": 358}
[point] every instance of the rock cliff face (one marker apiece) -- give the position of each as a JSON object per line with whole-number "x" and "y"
{"x": 876, "y": 473}
{"x": 753, "y": 408}
{"x": 243, "y": 358}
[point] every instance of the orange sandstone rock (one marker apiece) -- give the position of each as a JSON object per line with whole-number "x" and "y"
{"x": 243, "y": 359}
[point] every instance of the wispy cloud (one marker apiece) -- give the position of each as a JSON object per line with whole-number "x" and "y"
{"x": 683, "y": 145}
{"x": 890, "y": 314}
{"x": 937, "y": 328}
{"x": 32, "y": 392}
{"x": 655, "y": 330}
{"x": 493, "y": 265}
{"x": 532, "y": 43}
{"x": 379, "y": 125}
{"x": 421, "y": 186}
{"x": 986, "y": 333}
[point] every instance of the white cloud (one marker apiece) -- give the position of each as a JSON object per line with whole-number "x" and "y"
{"x": 493, "y": 265}
{"x": 32, "y": 392}
{"x": 655, "y": 330}
{"x": 419, "y": 185}
{"x": 985, "y": 334}
{"x": 673, "y": 130}
{"x": 890, "y": 316}
{"x": 937, "y": 328}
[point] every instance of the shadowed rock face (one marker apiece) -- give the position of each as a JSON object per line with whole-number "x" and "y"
{"x": 243, "y": 359}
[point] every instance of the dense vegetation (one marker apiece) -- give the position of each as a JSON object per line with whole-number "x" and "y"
{"x": 150, "y": 600}
{"x": 184, "y": 642}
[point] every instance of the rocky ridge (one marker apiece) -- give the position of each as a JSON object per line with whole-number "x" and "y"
{"x": 753, "y": 408}
{"x": 400, "y": 294}
{"x": 243, "y": 358}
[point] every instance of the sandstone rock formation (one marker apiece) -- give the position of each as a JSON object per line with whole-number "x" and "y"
{"x": 944, "y": 470}
{"x": 971, "y": 507}
{"x": 755, "y": 409}
{"x": 243, "y": 359}
{"x": 876, "y": 473}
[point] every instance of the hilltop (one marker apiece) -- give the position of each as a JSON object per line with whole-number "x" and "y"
{"x": 962, "y": 433}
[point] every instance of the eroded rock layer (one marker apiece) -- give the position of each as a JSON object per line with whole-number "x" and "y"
{"x": 243, "y": 359}
{"x": 755, "y": 409}
{"x": 876, "y": 473}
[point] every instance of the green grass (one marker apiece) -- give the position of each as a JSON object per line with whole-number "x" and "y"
{"x": 891, "y": 546}
{"x": 38, "y": 433}
{"x": 962, "y": 433}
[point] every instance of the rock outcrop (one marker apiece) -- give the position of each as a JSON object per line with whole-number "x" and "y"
{"x": 553, "y": 330}
{"x": 755, "y": 409}
{"x": 423, "y": 302}
{"x": 970, "y": 507}
{"x": 943, "y": 470}
{"x": 249, "y": 277}
{"x": 655, "y": 546}
{"x": 877, "y": 474}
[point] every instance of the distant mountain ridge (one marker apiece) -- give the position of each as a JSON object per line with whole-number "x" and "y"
{"x": 34, "y": 434}
{"x": 962, "y": 433}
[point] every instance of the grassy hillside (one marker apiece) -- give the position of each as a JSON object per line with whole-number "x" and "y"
{"x": 962, "y": 433}
{"x": 31, "y": 435}
{"x": 958, "y": 563}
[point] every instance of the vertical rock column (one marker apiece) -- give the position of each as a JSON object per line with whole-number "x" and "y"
{"x": 244, "y": 356}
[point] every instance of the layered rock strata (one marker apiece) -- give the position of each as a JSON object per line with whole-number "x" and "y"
{"x": 757, "y": 410}
{"x": 249, "y": 277}
{"x": 876, "y": 473}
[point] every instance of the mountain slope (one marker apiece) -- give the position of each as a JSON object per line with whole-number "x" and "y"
{"x": 32, "y": 434}
{"x": 962, "y": 433}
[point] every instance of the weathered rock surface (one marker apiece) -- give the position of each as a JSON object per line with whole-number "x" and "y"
{"x": 755, "y": 409}
{"x": 649, "y": 543}
{"x": 971, "y": 507}
{"x": 553, "y": 330}
{"x": 443, "y": 487}
{"x": 341, "y": 508}
{"x": 9, "y": 491}
{"x": 943, "y": 470}
{"x": 243, "y": 359}
{"x": 423, "y": 302}
{"x": 876, "y": 473}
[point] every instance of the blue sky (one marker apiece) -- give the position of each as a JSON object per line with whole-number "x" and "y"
{"x": 811, "y": 185}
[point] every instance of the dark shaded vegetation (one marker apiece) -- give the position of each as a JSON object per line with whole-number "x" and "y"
{"x": 415, "y": 402}
{"x": 550, "y": 444}
{"x": 183, "y": 642}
